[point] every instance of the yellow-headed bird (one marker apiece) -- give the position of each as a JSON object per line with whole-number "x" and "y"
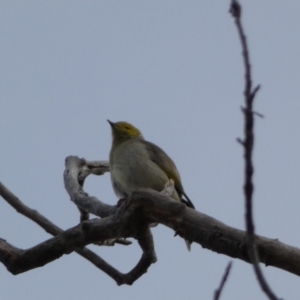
{"x": 136, "y": 163}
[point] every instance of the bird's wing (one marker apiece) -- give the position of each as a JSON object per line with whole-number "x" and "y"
{"x": 163, "y": 161}
{"x": 161, "y": 158}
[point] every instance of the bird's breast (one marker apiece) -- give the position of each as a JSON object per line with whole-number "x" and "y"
{"x": 132, "y": 168}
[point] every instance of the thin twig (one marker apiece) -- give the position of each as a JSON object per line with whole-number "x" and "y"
{"x": 223, "y": 281}
{"x": 249, "y": 95}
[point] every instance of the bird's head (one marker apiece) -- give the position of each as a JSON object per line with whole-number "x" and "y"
{"x": 122, "y": 131}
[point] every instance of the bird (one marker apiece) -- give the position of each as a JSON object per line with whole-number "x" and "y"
{"x": 137, "y": 163}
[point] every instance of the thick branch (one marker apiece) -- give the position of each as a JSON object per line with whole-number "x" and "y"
{"x": 150, "y": 206}
{"x": 131, "y": 219}
{"x": 233, "y": 241}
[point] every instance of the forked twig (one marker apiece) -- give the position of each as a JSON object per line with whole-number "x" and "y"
{"x": 54, "y": 230}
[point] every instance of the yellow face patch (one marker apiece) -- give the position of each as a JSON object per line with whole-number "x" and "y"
{"x": 126, "y": 129}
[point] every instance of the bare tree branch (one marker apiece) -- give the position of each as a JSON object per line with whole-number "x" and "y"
{"x": 223, "y": 281}
{"x": 145, "y": 207}
{"x": 248, "y": 144}
{"x": 18, "y": 260}
{"x": 51, "y": 228}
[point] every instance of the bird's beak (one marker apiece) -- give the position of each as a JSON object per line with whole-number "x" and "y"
{"x": 112, "y": 124}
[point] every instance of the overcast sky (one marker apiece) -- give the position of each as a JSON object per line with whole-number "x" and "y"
{"x": 174, "y": 70}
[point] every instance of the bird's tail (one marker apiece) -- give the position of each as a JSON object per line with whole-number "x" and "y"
{"x": 187, "y": 201}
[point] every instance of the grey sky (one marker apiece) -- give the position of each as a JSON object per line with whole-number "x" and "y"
{"x": 173, "y": 69}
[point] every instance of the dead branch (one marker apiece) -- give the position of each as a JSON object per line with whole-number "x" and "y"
{"x": 51, "y": 228}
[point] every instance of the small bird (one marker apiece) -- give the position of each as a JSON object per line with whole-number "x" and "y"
{"x": 136, "y": 163}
